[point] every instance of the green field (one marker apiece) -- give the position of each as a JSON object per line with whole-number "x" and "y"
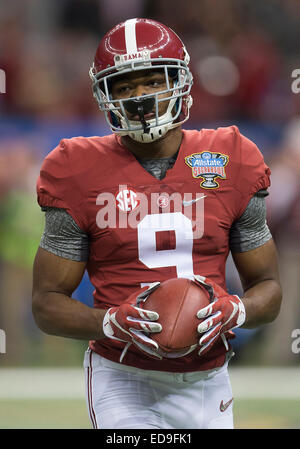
{"x": 72, "y": 414}
{"x": 53, "y": 398}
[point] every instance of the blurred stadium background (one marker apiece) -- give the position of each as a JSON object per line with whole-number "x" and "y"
{"x": 243, "y": 53}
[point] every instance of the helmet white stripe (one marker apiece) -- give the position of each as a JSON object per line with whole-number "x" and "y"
{"x": 130, "y": 36}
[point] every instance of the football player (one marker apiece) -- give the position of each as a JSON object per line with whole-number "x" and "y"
{"x": 150, "y": 202}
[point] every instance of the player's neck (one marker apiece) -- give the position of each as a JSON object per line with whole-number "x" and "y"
{"x": 167, "y": 146}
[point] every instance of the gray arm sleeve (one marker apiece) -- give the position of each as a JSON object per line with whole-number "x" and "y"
{"x": 63, "y": 237}
{"x": 251, "y": 230}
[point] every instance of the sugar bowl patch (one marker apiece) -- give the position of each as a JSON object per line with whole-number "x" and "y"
{"x": 208, "y": 166}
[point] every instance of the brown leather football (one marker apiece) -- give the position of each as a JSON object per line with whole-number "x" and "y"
{"x": 177, "y": 301}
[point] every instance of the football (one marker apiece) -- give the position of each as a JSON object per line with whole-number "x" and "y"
{"x": 177, "y": 301}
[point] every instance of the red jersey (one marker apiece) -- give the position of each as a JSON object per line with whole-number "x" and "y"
{"x": 142, "y": 230}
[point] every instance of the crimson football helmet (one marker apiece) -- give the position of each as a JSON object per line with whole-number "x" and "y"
{"x": 142, "y": 44}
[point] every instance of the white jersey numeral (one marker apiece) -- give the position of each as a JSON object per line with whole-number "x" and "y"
{"x": 179, "y": 257}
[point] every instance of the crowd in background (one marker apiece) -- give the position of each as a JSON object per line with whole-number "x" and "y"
{"x": 242, "y": 54}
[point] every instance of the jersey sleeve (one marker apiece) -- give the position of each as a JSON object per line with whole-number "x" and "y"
{"x": 57, "y": 184}
{"x": 253, "y": 174}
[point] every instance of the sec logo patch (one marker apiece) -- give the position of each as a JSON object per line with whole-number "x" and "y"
{"x": 127, "y": 199}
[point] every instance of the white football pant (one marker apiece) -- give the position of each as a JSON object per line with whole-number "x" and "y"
{"x": 123, "y": 397}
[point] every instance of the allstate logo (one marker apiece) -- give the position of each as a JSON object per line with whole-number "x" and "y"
{"x": 208, "y": 166}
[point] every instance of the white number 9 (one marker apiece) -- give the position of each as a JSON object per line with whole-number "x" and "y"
{"x": 181, "y": 256}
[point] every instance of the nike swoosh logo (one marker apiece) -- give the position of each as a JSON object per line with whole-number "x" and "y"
{"x": 189, "y": 203}
{"x": 223, "y": 406}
